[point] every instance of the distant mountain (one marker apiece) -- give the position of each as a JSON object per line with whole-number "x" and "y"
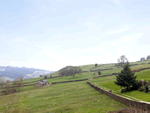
{"x": 16, "y": 72}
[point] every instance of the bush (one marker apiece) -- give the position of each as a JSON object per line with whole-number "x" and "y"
{"x": 142, "y": 88}
{"x": 149, "y": 82}
{"x": 123, "y": 90}
{"x": 146, "y": 88}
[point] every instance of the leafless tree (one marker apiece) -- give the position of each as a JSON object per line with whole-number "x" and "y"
{"x": 122, "y": 60}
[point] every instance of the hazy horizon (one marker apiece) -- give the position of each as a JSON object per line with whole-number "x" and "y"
{"x": 52, "y": 34}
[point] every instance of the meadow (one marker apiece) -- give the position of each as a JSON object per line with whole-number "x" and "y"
{"x": 108, "y": 83}
{"x": 76, "y": 96}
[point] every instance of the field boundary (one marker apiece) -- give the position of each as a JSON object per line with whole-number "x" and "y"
{"x": 129, "y": 102}
{"x": 125, "y": 100}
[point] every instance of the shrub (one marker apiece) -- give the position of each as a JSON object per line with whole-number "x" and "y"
{"x": 148, "y": 81}
{"x": 146, "y": 88}
{"x": 142, "y": 88}
{"x": 123, "y": 90}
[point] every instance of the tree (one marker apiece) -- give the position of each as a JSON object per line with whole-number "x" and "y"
{"x": 148, "y": 57}
{"x": 126, "y": 78}
{"x": 95, "y": 64}
{"x": 45, "y": 77}
{"x": 41, "y": 75}
{"x": 70, "y": 71}
{"x": 122, "y": 60}
{"x": 19, "y": 82}
{"x": 21, "y": 78}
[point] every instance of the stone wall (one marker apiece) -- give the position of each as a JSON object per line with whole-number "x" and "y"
{"x": 126, "y": 101}
{"x": 68, "y": 81}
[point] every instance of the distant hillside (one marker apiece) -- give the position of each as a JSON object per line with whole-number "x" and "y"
{"x": 16, "y": 72}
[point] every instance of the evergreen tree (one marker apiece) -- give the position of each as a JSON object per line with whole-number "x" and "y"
{"x": 126, "y": 78}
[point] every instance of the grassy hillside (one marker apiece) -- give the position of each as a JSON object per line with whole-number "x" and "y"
{"x": 77, "y": 96}
{"x": 108, "y": 83}
{"x": 88, "y": 67}
{"x": 67, "y": 98}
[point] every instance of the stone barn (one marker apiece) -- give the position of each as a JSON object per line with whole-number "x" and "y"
{"x": 45, "y": 82}
{"x": 39, "y": 84}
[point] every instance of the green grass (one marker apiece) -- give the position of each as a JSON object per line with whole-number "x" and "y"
{"x": 67, "y": 98}
{"x": 139, "y": 66}
{"x": 105, "y": 67}
{"x": 109, "y": 84}
{"x": 77, "y": 97}
{"x": 85, "y": 75}
{"x": 88, "y": 67}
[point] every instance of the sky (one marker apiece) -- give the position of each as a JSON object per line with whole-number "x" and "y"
{"x": 52, "y": 34}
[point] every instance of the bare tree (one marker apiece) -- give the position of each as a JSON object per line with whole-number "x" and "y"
{"x": 122, "y": 60}
{"x": 19, "y": 82}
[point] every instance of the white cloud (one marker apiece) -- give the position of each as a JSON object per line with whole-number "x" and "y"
{"x": 130, "y": 39}
{"x": 88, "y": 50}
{"x": 117, "y": 31}
{"x": 117, "y": 1}
{"x": 56, "y": 56}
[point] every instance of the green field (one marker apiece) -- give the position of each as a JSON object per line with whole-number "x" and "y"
{"x": 77, "y": 97}
{"x": 108, "y": 82}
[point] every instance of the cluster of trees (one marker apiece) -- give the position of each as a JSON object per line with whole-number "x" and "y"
{"x": 68, "y": 71}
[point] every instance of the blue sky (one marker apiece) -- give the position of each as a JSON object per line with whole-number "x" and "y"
{"x": 51, "y": 34}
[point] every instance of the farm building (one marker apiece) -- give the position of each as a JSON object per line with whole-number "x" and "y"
{"x": 45, "y": 81}
{"x": 42, "y": 83}
{"x": 39, "y": 84}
